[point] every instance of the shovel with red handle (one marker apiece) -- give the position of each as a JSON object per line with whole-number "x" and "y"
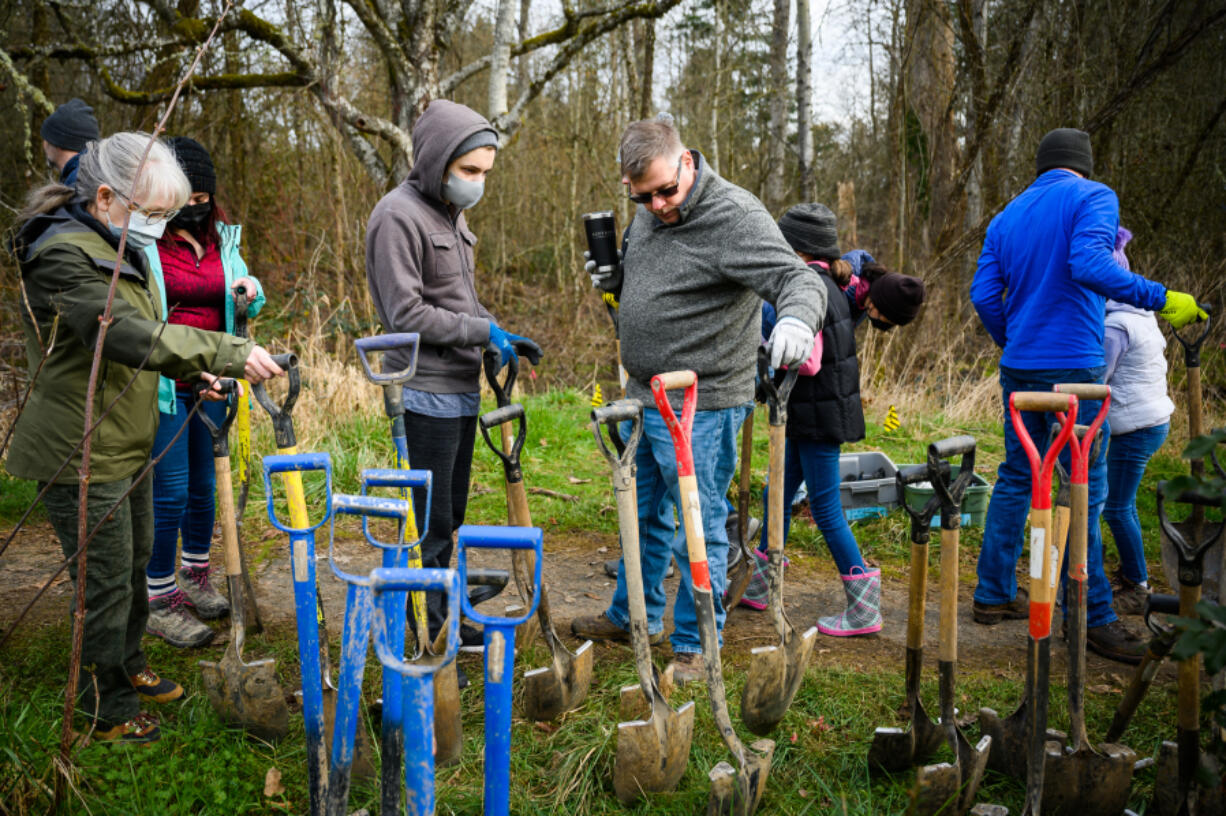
{"x": 733, "y": 791}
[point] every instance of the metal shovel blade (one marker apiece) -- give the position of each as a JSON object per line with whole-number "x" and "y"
{"x": 738, "y": 794}
{"x": 896, "y": 749}
{"x": 246, "y": 694}
{"x": 633, "y": 705}
{"x": 1010, "y": 736}
{"x": 937, "y": 786}
{"x": 652, "y": 753}
{"x": 552, "y": 690}
{"x": 775, "y": 673}
{"x": 1087, "y": 782}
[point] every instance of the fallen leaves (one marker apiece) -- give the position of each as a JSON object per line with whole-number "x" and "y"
{"x": 272, "y": 782}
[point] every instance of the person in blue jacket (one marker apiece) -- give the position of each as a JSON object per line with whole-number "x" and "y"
{"x": 1040, "y": 289}
{"x": 197, "y": 267}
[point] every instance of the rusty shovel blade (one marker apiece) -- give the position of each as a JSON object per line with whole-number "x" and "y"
{"x": 775, "y": 674}
{"x": 552, "y": 690}
{"x": 897, "y": 749}
{"x": 1087, "y": 782}
{"x": 736, "y": 793}
{"x": 652, "y": 754}
{"x": 939, "y": 786}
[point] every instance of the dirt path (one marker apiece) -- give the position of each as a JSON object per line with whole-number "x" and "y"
{"x": 578, "y": 586}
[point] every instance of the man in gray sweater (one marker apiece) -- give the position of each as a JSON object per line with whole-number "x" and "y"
{"x": 699, "y": 257}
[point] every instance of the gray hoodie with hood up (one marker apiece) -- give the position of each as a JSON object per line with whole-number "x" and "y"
{"x": 419, "y": 260}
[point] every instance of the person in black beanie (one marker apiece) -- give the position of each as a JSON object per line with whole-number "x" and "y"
{"x": 66, "y": 133}
{"x": 197, "y": 266}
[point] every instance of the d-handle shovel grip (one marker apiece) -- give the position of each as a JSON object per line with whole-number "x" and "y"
{"x": 473, "y": 536}
{"x": 1191, "y": 345}
{"x": 502, "y": 390}
{"x": 682, "y": 429}
{"x": 282, "y": 415}
{"x": 627, "y": 410}
{"x": 416, "y": 580}
{"x": 220, "y": 433}
{"x": 1191, "y": 555}
{"x": 366, "y": 507}
{"x": 401, "y": 480}
{"x": 1041, "y": 467}
{"x": 950, "y": 492}
{"x": 287, "y": 462}
{"x": 776, "y": 395}
{"x": 510, "y": 459}
{"x": 920, "y": 519}
{"x": 387, "y": 342}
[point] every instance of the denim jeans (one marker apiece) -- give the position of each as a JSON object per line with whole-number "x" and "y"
{"x": 1010, "y": 503}
{"x": 714, "y": 442}
{"x": 816, "y": 464}
{"x": 116, "y": 598}
{"x": 1126, "y": 461}
{"x": 184, "y": 486}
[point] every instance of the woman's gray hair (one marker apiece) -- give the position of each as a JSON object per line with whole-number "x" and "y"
{"x": 645, "y": 141}
{"x": 113, "y": 161}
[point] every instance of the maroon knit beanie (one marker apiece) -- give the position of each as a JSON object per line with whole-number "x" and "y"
{"x": 897, "y": 297}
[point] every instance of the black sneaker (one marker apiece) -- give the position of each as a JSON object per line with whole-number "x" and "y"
{"x": 1116, "y": 641}
{"x": 139, "y": 729}
{"x": 992, "y": 614}
{"x": 472, "y": 640}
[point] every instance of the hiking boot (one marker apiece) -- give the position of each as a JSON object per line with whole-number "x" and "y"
{"x": 173, "y": 622}
{"x": 1116, "y": 641}
{"x": 863, "y": 613}
{"x": 155, "y": 689}
{"x": 687, "y": 668}
{"x": 1128, "y": 597}
{"x": 992, "y": 614}
{"x": 209, "y": 603}
{"x": 610, "y": 568}
{"x": 141, "y": 728}
{"x": 599, "y": 627}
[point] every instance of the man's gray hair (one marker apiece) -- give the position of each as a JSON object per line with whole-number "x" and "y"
{"x": 645, "y": 141}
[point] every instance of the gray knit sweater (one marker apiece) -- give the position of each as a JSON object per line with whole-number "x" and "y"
{"x": 691, "y": 293}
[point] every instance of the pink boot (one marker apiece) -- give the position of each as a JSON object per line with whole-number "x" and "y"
{"x": 863, "y": 613}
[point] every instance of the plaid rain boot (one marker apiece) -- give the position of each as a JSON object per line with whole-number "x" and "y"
{"x": 863, "y": 613}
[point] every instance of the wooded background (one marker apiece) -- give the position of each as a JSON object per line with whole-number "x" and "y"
{"x": 920, "y": 123}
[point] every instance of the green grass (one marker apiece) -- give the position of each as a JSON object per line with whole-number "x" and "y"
{"x": 202, "y": 767}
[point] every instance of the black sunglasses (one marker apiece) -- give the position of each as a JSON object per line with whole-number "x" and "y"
{"x": 663, "y": 192}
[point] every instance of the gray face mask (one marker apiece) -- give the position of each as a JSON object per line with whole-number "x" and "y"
{"x": 463, "y": 194}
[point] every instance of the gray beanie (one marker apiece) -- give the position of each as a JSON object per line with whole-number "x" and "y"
{"x": 1065, "y": 147}
{"x": 71, "y": 126}
{"x": 482, "y": 138}
{"x": 811, "y": 229}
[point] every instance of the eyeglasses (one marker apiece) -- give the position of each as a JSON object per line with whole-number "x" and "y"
{"x": 663, "y": 192}
{"x": 152, "y": 216}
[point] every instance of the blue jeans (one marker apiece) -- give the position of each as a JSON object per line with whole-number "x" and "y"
{"x": 183, "y": 485}
{"x": 1010, "y": 503}
{"x": 1126, "y": 461}
{"x": 816, "y": 464}
{"x": 714, "y": 442}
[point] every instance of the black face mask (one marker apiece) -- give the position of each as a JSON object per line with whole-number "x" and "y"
{"x": 193, "y": 217}
{"x": 881, "y": 325}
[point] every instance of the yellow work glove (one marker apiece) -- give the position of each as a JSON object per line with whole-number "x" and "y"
{"x": 1181, "y": 309}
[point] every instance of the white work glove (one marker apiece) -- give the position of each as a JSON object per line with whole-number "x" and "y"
{"x": 790, "y": 343}
{"x": 607, "y": 280}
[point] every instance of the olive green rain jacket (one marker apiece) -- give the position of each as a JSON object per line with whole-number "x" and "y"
{"x": 66, "y": 264}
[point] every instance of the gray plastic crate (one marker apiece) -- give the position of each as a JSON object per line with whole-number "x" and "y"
{"x": 867, "y": 480}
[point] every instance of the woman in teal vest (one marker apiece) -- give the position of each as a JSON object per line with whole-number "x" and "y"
{"x": 197, "y": 266}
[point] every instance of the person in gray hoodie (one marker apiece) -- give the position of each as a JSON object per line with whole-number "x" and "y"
{"x": 419, "y": 265}
{"x": 698, "y": 259}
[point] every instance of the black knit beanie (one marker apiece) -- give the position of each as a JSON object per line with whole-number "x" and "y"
{"x": 71, "y": 126}
{"x": 1065, "y": 147}
{"x": 196, "y": 162}
{"x": 811, "y": 229}
{"x": 897, "y": 297}
{"x": 482, "y": 138}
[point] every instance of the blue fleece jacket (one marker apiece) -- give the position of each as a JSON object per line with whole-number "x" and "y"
{"x": 1046, "y": 271}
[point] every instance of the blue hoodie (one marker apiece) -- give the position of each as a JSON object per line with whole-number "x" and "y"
{"x": 1047, "y": 269}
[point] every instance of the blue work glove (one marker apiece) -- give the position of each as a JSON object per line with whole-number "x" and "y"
{"x": 507, "y": 344}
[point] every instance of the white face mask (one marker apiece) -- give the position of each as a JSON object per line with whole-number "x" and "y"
{"x": 140, "y": 232}
{"x": 462, "y": 193}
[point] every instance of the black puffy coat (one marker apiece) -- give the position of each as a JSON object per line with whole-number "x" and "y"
{"x": 826, "y": 407}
